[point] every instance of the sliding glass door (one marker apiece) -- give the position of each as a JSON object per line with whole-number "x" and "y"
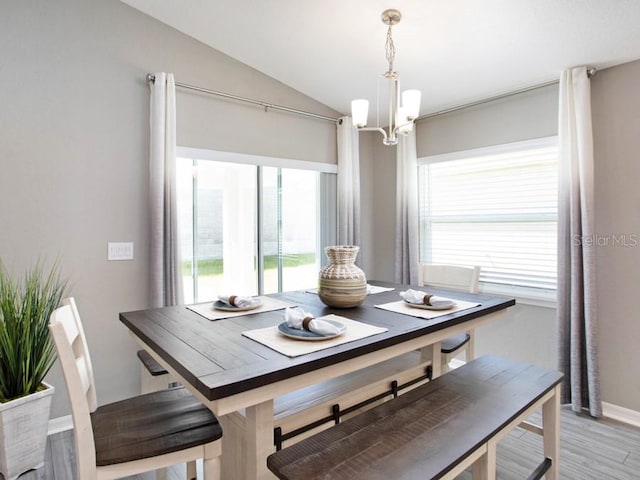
{"x": 251, "y": 229}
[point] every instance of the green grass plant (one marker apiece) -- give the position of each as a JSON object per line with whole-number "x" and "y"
{"x": 26, "y": 349}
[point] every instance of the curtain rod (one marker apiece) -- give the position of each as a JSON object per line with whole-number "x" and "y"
{"x": 591, "y": 71}
{"x": 151, "y": 78}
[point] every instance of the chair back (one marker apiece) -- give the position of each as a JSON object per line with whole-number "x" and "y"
{"x": 68, "y": 336}
{"x": 450, "y": 276}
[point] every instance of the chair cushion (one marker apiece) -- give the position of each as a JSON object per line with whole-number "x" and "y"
{"x": 454, "y": 342}
{"x": 150, "y": 425}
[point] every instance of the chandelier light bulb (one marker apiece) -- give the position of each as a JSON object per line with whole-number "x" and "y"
{"x": 359, "y": 112}
{"x": 411, "y": 103}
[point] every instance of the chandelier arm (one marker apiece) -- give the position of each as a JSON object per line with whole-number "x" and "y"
{"x": 398, "y": 127}
{"x": 374, "y": 129}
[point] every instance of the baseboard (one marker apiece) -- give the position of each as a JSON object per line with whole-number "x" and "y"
{"x": 60, "y": 424}
{"x": 621, "y": 414}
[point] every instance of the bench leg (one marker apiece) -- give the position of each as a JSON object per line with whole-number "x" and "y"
{"x": 485, "y": 467}
{"x": 551, "y": 433}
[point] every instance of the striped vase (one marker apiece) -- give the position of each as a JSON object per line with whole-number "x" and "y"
{"x": 342, "y": 284}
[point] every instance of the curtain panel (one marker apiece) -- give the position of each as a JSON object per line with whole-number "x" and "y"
{"x": 348, "y": 184}
{"x": 406, "y": 241}
{"x": 577, "y": 322}
{"x": 165, "y": 264}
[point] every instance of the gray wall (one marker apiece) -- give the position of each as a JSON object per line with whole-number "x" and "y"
{"x": 529, "y": 332}
{"x": 73, "y": 176}
{"x": 74, "y": 151}
{"x": 616, "y": 126}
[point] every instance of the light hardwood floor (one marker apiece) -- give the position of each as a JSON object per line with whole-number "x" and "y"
{"x": 589, "y": 450}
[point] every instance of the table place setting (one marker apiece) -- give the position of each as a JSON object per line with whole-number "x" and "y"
{"x": 425, "y": 305}
{"x": 228, "y": 306}
{"x": 300, "y": 332}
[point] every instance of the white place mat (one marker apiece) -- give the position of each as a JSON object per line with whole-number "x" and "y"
{"x": 371, "y": 289}
{"x": 402, "y": 307}
{"x": 268, "y": 304}
{"x": 290, "y": 347}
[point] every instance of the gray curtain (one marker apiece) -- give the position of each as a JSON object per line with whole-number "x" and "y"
{"x": 577, "y": 321}
{"x": 348, "y": 185}
{"x": 406, "y": 244}
{"x": 165, "y": 264}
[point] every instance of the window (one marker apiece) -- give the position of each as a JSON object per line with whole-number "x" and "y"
{"x": 252, "y": 225}
{"x": 496, "y": 208}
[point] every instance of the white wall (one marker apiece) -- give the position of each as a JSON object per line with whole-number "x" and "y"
{"x": 74, "y": 119}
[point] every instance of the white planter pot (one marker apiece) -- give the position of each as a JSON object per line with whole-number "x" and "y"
{"x": 23, "y": 432}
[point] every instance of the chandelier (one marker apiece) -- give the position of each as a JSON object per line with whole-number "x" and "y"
{"x": 401, "y": 113}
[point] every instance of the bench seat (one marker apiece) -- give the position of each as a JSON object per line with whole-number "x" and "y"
{"x": 436, "y": 430}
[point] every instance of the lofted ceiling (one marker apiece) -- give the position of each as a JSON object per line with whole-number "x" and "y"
{"x": 454, "y": 51}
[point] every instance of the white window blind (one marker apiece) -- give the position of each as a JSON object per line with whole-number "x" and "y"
{"x": 494, "y": 210}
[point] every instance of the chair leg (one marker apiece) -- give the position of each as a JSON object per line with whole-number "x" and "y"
{"x": 192, "y": 471}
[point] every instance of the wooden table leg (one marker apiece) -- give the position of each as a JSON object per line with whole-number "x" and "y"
{"x": 551, "y": 433}
{"x": 259, "y": 440}
{"x": 485, "y": 467}
{"x": 432, "y": 352}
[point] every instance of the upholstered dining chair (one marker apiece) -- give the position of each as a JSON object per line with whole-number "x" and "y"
{"x": 459, "y": 278}
{"x": 135, "y": 435}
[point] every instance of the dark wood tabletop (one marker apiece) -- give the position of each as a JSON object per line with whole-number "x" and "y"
{"x": 216, "y": 359}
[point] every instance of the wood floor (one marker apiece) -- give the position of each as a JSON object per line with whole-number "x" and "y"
{"x": 590, "y": 450}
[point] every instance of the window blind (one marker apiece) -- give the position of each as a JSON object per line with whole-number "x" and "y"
{"x": 497, "y": 211}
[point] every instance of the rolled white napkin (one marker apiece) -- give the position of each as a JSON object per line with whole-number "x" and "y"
{"x": 238, "y": 301}
{"x": 296, "y": 317}
{"x": 422, "y": 298}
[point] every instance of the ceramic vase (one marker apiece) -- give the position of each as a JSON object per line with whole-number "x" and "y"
{"x": 341, "y": 283}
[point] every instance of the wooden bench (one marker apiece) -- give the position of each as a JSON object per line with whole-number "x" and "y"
{"x": 435, "y": 431}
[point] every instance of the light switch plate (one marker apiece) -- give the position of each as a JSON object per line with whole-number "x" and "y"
{"x": 120, "y": 251}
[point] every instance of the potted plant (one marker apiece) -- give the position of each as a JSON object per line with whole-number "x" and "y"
{"x": 26, "y": 355}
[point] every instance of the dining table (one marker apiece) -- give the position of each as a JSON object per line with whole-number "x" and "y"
{"x": 238, "y": 362}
